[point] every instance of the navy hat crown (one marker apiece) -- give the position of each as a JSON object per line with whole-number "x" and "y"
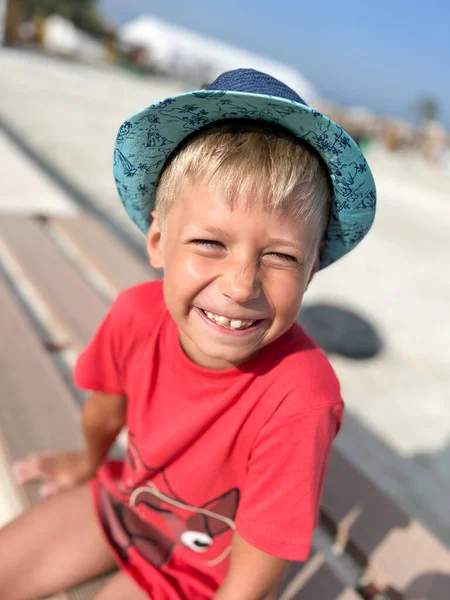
{"x": 254, "y": 82}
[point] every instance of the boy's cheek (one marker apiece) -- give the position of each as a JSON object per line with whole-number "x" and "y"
{"x": 287, "y": 309}
{"x": 198, "y": 267}
{"x": 193, "y": 269}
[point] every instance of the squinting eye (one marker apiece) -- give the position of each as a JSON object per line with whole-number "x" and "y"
{"x": 213, "y": 244}
{"x": 196, "y": 540}
{"x": 284, "y": 257}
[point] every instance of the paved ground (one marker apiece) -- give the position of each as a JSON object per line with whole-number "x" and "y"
{"x": 25, "y": 187}
{"x": 398, "y": 423}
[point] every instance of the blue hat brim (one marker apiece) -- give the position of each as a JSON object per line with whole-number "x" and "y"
{"x": 148, "y": 138}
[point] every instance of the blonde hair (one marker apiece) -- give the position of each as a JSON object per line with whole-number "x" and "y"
{"x": 243, "y": 159}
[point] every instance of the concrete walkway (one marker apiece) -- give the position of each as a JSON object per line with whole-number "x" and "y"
{"x": 398, "y": 423}
{"x": 70, "y": 114}
{"x": 25, "y": 188}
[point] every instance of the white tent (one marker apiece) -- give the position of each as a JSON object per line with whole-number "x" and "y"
{"x": 199, "y": 59}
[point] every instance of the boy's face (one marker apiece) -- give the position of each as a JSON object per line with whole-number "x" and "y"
{"x": 233, "y": 279}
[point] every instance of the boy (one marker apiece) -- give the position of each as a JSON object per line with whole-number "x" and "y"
{"x": 244, "y": 192}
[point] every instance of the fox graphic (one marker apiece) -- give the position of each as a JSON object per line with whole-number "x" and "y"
{"x": 129, "y": 524}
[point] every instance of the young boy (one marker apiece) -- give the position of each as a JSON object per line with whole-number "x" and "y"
{"x": 244, "y": 192}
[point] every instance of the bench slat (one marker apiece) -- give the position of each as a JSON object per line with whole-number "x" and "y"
{"x": 68, "y": 295}
{"x": 97, "y": 247}
{"x": 36, "y": 410}
{"x": 397, "y": 550}
{"x": 315, "y": 580}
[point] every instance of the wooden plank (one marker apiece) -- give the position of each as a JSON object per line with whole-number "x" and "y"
{"x": 101, "y": 251}
{"x": 396, "y": 549}
{"x": 315, "y": 580}
{"x": 66, "y": 292}
{"x": 410, "y": 563}
{"x": 36, "y": 410}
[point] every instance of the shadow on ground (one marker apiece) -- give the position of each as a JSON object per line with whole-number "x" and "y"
{"x": 432, "y": 586}
{"x": 338, "y": 330}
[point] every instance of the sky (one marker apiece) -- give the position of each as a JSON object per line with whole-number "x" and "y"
{"x": 382, "y": 54}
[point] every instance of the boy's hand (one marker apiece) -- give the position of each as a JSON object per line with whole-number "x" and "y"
{"x": 58, "y": 470}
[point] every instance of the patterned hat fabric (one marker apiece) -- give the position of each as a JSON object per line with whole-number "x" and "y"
{"x": 148, "y": 138}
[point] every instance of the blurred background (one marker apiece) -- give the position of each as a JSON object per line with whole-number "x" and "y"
{"x": 71, "y": 71}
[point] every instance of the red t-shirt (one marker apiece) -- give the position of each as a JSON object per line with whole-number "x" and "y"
{"x": 209, "y": 451}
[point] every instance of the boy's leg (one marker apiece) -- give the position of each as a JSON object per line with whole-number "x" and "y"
{"x": 52, "y": 546}
{"x": 121, "y": 586}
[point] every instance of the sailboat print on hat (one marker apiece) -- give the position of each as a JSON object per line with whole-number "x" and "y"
{"x": 128, "y": 167}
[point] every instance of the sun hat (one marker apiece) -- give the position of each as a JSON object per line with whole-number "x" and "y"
{"x": 148, "y": 138}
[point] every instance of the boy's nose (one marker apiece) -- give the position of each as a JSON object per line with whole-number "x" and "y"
{"x": 240, "y": 285}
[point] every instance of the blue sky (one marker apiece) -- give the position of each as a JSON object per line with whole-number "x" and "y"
{"x": 384, "y": 54}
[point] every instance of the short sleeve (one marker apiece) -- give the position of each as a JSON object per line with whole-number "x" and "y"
{"x": 99, "y": 367}
{"x": 280, "y": 501}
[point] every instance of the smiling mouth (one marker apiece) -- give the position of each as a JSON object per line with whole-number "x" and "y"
{"x": 227, "y": 323}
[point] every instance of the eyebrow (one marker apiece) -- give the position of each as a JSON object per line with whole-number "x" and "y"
{"x": 221, "y": 233}
{"x": 215, "y": 231}
{"x": 284, "y": 242}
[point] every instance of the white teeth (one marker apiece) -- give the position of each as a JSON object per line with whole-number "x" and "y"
{"x": 228, "y": 323}
{"x": 222, "y": 320}
{"x": 236, "y": 324}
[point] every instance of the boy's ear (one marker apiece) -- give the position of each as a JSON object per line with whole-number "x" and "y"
{"x": 154, "y": 248}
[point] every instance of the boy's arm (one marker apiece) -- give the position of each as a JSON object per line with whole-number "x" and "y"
{"x": 103, "y": 416}
{"x": 252, "y": 575}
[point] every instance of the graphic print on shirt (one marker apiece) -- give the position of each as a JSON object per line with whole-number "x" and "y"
{"x": 179, "y": 523}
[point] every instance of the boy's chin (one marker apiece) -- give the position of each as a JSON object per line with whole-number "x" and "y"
{"x": 223, "y": 357}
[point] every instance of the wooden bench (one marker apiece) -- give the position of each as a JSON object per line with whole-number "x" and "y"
{"x": 57, "y": 279}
